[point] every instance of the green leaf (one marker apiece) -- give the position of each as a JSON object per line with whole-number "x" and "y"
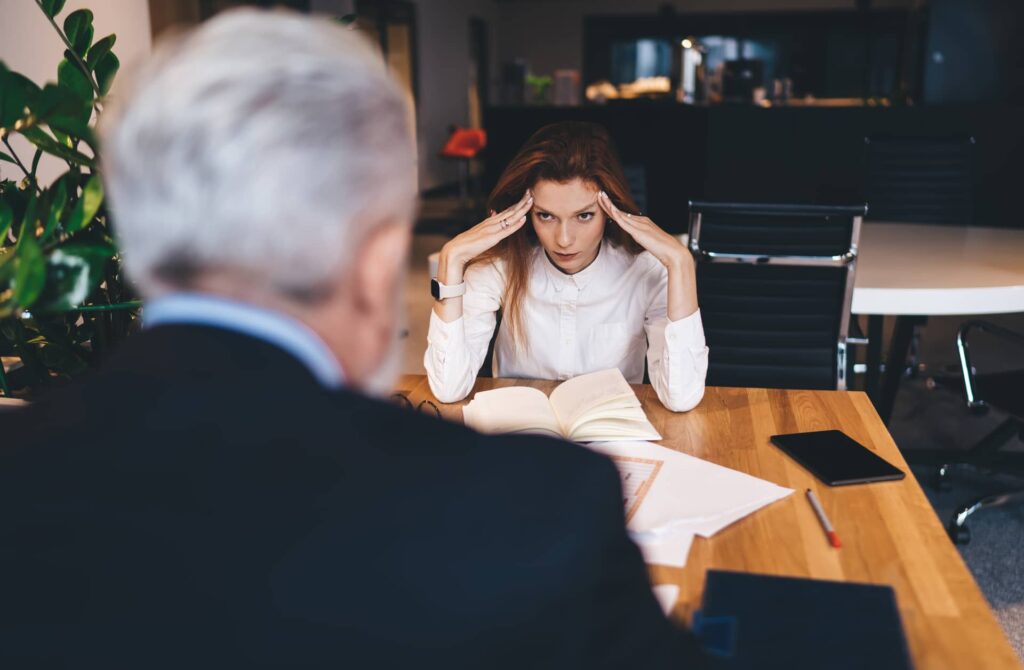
{"x": 63, "y": 109}
{"x": 73, "y": 272}
{"x": 87, "y": 206}
{"x": 35, "y": 161}
{"x": 29, "y": 271}
{"x": 56, "y": 100}
{"x": 105, "y": 71}
{"x": 37, "y": 137}
{"x": 70, "y": 76}
{"x": 78, "y": 29}
{"x": 62, "y": 137}
{"x": 99, "y": 50}
{"x": 58, "y": 195}
{"x": 5, "y": 157}
{"x": 30, "y": 217}
{"x": 53, "y": 7}
{"x": 64, "y": 126}
{"x": 16, "y": 93}
{"x": 6, "y": 219}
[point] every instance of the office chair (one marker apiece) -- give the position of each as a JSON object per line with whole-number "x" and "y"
{"x": 464, "y": 146}
{"x": 636, "y": 181}
{"x": 775, "y": 284}
{"x": 920, "y": 179}
{"x": 1002, "y": 390}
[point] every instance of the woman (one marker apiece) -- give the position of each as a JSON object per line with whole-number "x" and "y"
{"x": 583, "y": 281}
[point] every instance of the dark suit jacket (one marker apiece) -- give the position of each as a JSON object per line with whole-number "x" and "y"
{"x": 202, "y": 501}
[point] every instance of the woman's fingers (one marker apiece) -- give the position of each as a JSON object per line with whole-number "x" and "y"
{"x": 511, "y": 226}
{"x": 514, "y": 212}
{"x": 525, "y": 201}
{"x": 614, "y": 212}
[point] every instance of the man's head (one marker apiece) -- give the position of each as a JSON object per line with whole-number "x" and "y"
{"x": 268, "y": 157}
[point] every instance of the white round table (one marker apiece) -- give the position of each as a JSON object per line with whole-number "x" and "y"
{"x": 928, "y": 270}
{"x": 912, "y": 271}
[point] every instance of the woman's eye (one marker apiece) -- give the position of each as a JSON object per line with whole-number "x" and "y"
{"x": 543, "y": 216}
{"x": 586, "y": 216}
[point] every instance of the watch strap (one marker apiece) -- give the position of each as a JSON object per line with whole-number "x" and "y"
{"x": 442, "y": 291}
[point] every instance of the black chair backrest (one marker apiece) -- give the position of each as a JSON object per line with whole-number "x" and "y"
{"x": 920, "y": 180}
{"x": 636, "y": 180}
{"x": 775, "y": 283}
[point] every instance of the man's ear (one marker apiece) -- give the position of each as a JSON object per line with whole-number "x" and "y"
{"x": 377, "y": 268}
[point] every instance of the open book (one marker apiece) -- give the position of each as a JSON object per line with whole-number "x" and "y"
{"x": 599, "y": 406}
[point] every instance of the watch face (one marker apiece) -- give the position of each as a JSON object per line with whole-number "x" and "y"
{"x": 435, "y": 289}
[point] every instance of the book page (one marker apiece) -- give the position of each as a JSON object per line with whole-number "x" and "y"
{"x": 516, "y": 409}
{"x": 575, "y": 397}
{"x": 603, "y": 429}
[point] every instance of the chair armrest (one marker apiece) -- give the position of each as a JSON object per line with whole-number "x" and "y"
{"x": 970, "y": 385}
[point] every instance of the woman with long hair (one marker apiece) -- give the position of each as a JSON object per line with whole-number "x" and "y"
{"x": 581, "y": 279}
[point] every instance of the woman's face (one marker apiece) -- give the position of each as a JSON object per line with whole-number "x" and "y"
{"x": 569, "y": 222}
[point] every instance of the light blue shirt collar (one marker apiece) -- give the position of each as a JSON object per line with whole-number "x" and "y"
{"x": 278, "y": 329}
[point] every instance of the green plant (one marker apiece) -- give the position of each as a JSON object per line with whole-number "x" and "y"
{"x": 63, "y": 299}
{"x": 539, "y": 85}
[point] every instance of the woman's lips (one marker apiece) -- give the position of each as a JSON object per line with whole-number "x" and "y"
{"x": 565, "y": 257}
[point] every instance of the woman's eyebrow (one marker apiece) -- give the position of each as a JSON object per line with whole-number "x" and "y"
{"x": 590, "y": 206}
{"x": 538, "y": 208}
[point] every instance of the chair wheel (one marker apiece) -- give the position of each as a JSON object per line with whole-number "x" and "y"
{"x": 943, "y": 479}
{"x": 958, "y": 534}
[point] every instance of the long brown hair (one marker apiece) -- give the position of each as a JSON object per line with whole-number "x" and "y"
{"x": 559, "y": 152}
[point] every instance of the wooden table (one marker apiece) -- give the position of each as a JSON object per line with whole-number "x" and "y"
{"x": 889, "y": 531}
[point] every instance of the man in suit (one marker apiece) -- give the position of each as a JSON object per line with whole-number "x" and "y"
{"x": 226, "y": 491}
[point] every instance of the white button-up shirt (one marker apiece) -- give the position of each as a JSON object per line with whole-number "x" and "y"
{"x": 608, "y": 315}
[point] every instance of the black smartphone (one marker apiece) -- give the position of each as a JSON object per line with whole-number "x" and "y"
{"x": 835, "y": 458}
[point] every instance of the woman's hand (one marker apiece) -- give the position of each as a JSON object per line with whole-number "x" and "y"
{"x": 463, "y": 248}
{"x": 682, "y": 279}
{"x": 666, "y": 248}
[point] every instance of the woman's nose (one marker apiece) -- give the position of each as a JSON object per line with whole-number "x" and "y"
{"x": 564, "y": 235}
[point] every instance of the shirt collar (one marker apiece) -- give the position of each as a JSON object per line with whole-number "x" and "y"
{"x": 276, "y": 328}
{"x": 580, "y": 280}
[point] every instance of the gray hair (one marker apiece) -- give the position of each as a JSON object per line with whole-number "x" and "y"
{"x": 262, "y": 142}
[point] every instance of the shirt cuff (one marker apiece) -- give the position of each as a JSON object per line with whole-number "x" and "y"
{"x": 688, "y": 331}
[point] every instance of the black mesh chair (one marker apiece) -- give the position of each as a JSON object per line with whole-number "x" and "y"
{"x": 919, "y": 179}
{"x": 1001, "y": 390}
{"x": 775, "y": 283}
{"x": 636, "y": 180}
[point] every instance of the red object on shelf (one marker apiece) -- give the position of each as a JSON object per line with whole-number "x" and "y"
{"x": 464, "y": 143}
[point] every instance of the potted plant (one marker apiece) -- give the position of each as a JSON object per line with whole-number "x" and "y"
{"x": 63, "y": 297}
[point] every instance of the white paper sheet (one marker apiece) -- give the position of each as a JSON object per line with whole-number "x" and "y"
{"x": 691, "y": 491}
{"x": 667, "y": 594}
{"x": 670, "y": 549}
{"x": 683, "y": 496}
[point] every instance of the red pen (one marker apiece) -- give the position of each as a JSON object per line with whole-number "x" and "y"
{"x": 825, "y": 523}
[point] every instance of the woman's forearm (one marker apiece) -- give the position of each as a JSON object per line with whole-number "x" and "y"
{"x": 682, "y": 286}
{"x": 450, "y": 270}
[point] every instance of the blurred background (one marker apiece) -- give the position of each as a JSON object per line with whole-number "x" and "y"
{"x": 913, "y": 106}
{"x": 729, "y": 100}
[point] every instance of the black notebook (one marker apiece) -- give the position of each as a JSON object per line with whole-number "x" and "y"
{"x": 761, "y": 621}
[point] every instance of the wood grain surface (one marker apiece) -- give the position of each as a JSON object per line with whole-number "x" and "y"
{"x": 889, "y": 531}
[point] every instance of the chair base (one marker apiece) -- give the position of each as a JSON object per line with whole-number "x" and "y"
{"x": 957, "y": 527}
{"x": 986, "y": 455}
